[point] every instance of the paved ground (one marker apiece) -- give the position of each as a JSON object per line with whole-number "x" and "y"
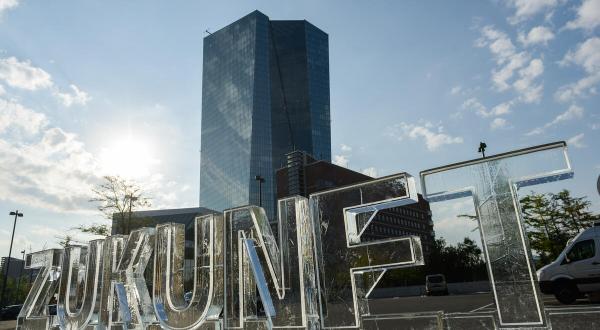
{"x": 450, "y": 304}
{"x": 4, "y": 325}
{"x": 478, "y": 302}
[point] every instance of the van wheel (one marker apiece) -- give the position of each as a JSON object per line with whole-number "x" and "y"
{"x": 566, "y": 293}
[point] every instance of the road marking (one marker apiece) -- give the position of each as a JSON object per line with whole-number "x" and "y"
{"x": 482, "y": 307}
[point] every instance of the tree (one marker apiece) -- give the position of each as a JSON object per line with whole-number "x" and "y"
{"x": 118, "y": 199}
{"x": 94, "y": 229}
{"x": 573, "y": 211}
{"x": 552, "y": 219}
{"x": 462, "y": 262}
{"x": 65, "y": 241}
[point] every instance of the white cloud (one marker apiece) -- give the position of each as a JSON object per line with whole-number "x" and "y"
{"x": 510, "y": 63}
{"x": 502, "y": 109}
{"x": 433, "y": 140}
{"x": 498, "y": 123}
{"x": 525, "y": 85}
{"x": 537, "y": 35}
{"x": 576, "y": 141}
{"x": 2, "y": 90}
{"x": 587, "y": 56}
{"x": 525, "y": 9}
{"x": 78, "y": 97}
{"x": 346, "y": 148}
{"x": 370, "y": 171}
{"x": 21, "y": 74}
{"x": 455, "y": 90}
{"x": 340, "y": 160}
{"x": 588, "y": 16}
{"x": 502, "y": 75}
{"x": 49, "y": 168}
{"x": 474, "y": 105}
{"x": 581, "y": 88}
{"x": 15, "y": 116}
{"x": 8, "y": 4}
{"x": 574, "y": 112}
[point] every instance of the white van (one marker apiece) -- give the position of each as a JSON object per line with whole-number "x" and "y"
{"x": 576, "y": 271}
{"x": 436, "y": 284}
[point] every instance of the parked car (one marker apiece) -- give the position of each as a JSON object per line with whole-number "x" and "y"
{"x": 436, "y": 284}
{"x": 187, "y": 297}
{"x": 10, "y": 312}
{"x": 576, "y": 271}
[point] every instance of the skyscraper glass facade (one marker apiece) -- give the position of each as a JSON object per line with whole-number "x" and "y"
{"x": 265, "y": 93}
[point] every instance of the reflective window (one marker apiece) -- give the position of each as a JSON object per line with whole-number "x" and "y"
{"x": 582, "y": 250}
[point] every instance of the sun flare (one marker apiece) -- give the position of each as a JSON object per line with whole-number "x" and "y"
{"x": 129, "y": 158}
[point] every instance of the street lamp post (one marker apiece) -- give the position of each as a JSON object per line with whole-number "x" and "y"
{"x": 260, "y": 180}
{"x": 131, "y": 199}
{"x": 17, "y": 215}
{"x": 16, "y": 298}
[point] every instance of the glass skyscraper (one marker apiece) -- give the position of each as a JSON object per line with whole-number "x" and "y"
{"x": 265, "y": 93}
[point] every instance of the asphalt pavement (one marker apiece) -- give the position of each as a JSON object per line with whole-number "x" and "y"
{"x": 468, "y": 303}
{"x": 5, "y": 325}
{"x": 478, "y": 303}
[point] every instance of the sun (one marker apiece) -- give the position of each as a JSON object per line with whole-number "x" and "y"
{"x": 129, "y": 158}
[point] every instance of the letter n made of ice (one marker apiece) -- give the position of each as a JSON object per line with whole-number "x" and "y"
{"x": 493, "y": 183}
{"x": 280, "y": 268}
{"x": 349, "y": 265}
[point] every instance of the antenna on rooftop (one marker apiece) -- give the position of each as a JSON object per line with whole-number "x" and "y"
{"x": 207, "y": 32}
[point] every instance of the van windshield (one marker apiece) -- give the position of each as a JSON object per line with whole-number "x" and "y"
{"x": 435, "y": 279}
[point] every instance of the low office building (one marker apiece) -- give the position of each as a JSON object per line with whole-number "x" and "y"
{"x": 151, "y": 218}
{"x": 304, "y": 175}
{"x": 15, "y": 268}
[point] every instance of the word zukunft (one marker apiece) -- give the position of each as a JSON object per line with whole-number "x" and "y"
{"x": 315, "y": 270}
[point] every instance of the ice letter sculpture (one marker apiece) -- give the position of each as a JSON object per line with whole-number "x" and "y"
{"x": 348, "y": 267}
{"x": 34, "y": 313}
{"x": 126, "y": 301}
{"x": 280, "y": 268}
{"x": 493, "y": 183}
{"x": 206, "y": 302}
{"x": 81, "y": 271}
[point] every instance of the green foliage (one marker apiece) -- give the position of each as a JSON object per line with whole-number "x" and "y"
{"x": 462, "y": 262}
{"x": 16, "y": 291}
{"x": 95, "y": 229}
{"x": 552, "y": 219}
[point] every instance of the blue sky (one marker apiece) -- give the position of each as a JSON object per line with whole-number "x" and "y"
{"x": 414, "y": 85}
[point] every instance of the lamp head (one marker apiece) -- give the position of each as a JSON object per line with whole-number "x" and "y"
{"x": 482, "y": 147}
